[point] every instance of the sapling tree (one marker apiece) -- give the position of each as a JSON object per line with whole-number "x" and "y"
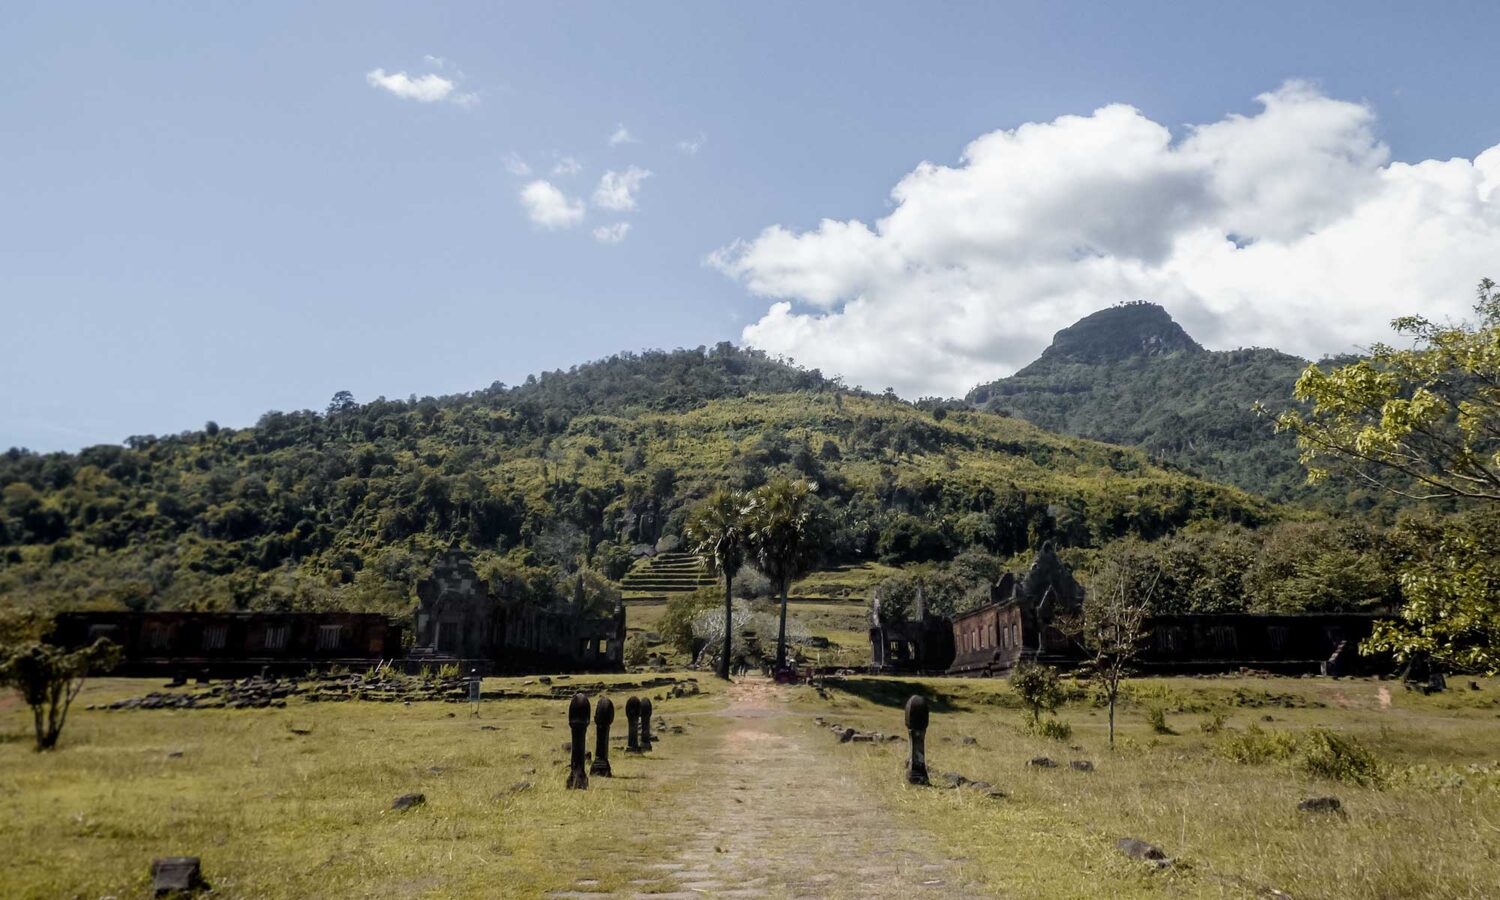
{"x": 49, "y": 678}
{"x": 1039, "y": 689}
{"x": 1113, "y": 628}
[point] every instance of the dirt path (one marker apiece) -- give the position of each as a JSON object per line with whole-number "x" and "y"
{"x": 772, "y": 814}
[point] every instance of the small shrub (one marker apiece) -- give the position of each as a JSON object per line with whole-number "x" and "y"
{"x": 635, "y": 650}
{"x": 448, "y": 670}
{"x": 1214, "y": 722}
{"x": 1157, "y": 717}
{"x": 1328, "y": 754}
{"x": 1039, "y": 689}
{"x": 1056, "y": 729}
{"x": 1256, "y": 746}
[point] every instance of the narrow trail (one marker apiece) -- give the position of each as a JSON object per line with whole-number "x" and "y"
{"x": 773, "y": 814}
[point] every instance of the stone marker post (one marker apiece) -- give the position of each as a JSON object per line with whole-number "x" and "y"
{"x": 645, "y": 724}
{"x": 578, "y": 722}
{"x": 604, "y": 716}
{"x": 916, "y": 729}
{"x": 475, "y": 683}
{"x": 632, "y": 725}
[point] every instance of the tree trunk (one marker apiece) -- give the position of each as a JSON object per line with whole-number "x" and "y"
{"x": 1113, "y": 693}
{"x": 728, "y": 625}
{"x": 781, "y": 629}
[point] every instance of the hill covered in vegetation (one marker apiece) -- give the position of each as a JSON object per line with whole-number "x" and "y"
{"x": 1131, "y": 375}
{"x": 345, "y": 507}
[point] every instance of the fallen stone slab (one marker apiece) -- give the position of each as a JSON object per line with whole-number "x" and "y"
{"x": 1042, "y": 762}
{"x": 1140, "y": 850}
{"x": 1081, "y": 765}
{"x": 407, "y": 801}
{"x": 176, "y": 875}
{"x": 1321, "y": 805}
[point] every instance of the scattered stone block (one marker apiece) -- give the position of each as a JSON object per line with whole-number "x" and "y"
{"x": 1081, "y": 765}
{"x": 1147, "y": 853}
{"x": 954, "y": 780}
{"x": 969, "y": 741}
{"x": 1321, "y": 805}
{"x": 1042, "y": 762}
{"x": 176, "y": 875}
{"x": 407, "y": 801}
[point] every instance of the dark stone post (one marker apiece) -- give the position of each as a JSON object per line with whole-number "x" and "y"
{"x": 916, "y": 729}
{"x": 632, "y": 725}
{"x": 578, "y": 722}
{"x": 645, "y": 724}
{"x": 604, "y": 716}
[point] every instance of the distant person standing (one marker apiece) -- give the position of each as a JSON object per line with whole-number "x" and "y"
{"x": 474, "y": 682}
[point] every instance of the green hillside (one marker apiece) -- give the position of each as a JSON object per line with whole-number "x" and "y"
{"x": 345, "y": 507}
{"x": 1130, "y": 375}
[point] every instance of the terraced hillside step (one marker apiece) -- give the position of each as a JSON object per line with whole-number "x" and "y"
{"x": 669, "y": 573}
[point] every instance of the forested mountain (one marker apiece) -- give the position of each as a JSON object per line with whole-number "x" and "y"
{"x": 1130, "y": 375}
{"x": 345, "y": 507}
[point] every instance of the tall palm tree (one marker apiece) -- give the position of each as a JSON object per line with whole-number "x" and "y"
{"x": 784, "y": 538}
{"x": 717, "y": 528}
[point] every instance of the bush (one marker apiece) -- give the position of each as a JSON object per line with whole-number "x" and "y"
{"x": 1056, "y": 729}
{"x": 1039, "y": 689}
{"x": 1156, "y": 715}
{"x": 635, "y": 650}
{"x": 677, "y": 622}
{"x": 1213, "y": 723}
{"x": 1328, "y": 754}
{"x": 1256, "y": 746}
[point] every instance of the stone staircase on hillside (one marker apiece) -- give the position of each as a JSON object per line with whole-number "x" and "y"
{"x": 669, "y": 573}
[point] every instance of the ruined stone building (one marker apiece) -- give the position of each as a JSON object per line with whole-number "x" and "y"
{"x": 461, "y": 619}
{"x": 1021, "y": 621}
{"x": 1027, "y": 619}
{"x": 923, "y": 644}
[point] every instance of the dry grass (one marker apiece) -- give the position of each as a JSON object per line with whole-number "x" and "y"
{"x": 1235, "y": 828}
{"x": 274, "y": 814}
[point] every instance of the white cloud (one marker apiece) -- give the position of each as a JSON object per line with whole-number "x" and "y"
{"x": 692, "y": 145}
{"x": 611, "y": 234}
{"x": 567, "y": 166}
{"x": 429, "y": 88}
{"x": 1288, "y": 228}
{"x": 549, "y": 207}
{"x": 622, "y": 135}
{"x": 617, "y": 190}
{"x": 516, "y": 166}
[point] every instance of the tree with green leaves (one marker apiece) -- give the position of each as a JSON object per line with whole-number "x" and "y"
{"x": 784, "y": 538}
{"x": 49, "y": 678}
{"x": 719, "y": 528}
{"x": 1423, "y": 423}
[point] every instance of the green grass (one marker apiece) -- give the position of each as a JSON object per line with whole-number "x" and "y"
{"x": 851, "y": 582}
{"x": 274, "y": 814}
{"x": 1234, "y": 827}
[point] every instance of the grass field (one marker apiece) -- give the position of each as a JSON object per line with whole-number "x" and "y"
{"x": 277, "y": 814}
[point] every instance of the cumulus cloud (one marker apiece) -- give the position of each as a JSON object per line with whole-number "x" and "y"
{"x": 612, "y": 234}
{"x": 429, "y": 88}
{"x": 1288, "y": 228}
{"x": 617, "y": 190}
{"x": 622, "y": 135}
{"x": 549, "y": 207}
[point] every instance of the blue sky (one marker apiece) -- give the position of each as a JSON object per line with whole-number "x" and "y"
{"x": 211, "y": 210}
